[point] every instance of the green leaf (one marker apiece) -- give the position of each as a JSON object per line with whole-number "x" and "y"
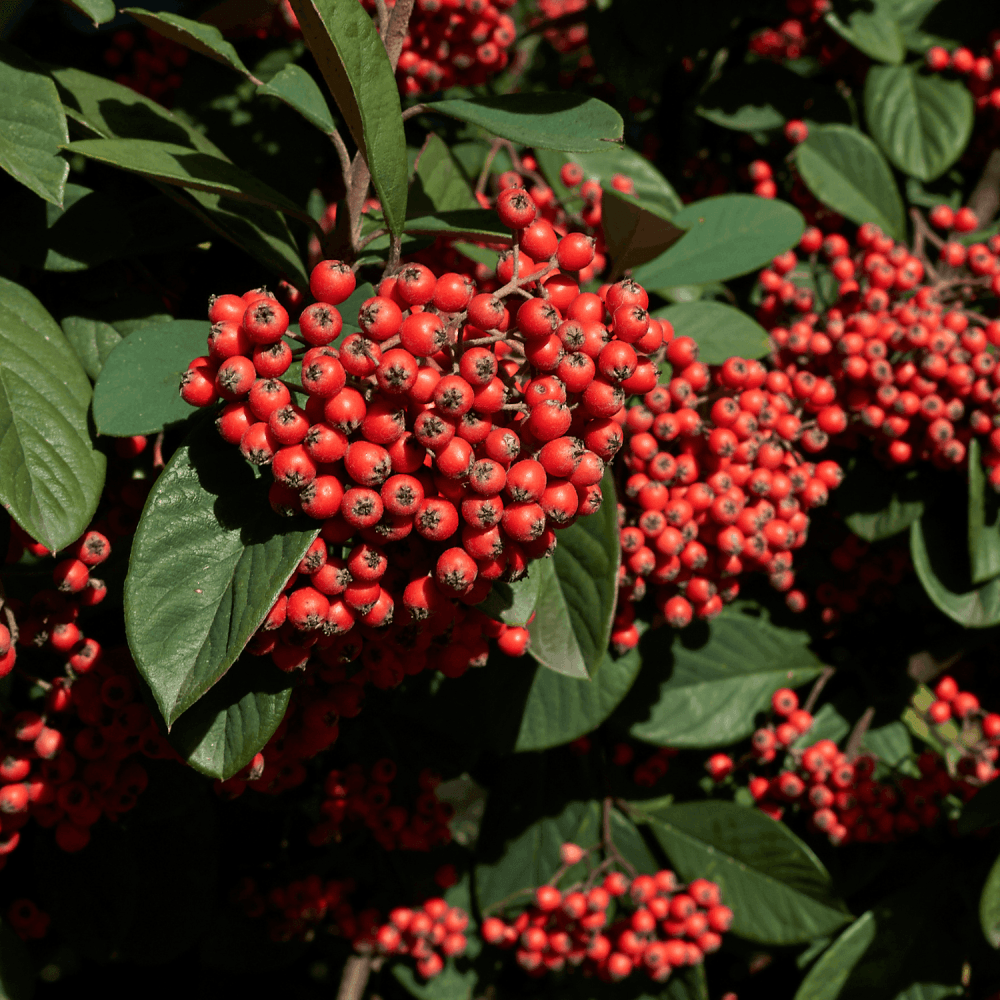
{"x": 891, "y": 520}
{"x": 439, "y": 184}
{"x": 930, "y": 991}
{"x": 984, "y": 521}
{"x": 17, "y": 970}
{"x": 138, "y": 391}
{"x": 577, "y": 592}
{"x": 982, "y": 810}
{"x": 921, "y": 121}
{"x": 845, "y": 170}
{"x": 209, "y": 559}
{"x": 350, "y": 55}
{"x": 560, "y": 709}
{"x": 513, "y": 603}
{"x": 721, "y": 331}
{"x": 99, "y": 11}
{"x": 472, "y": 223}
{"x": 778, "y": 889}
{"x": 634, "y": 232}
{"x": 932, "y": 554}
{"x": 877, "y": 503}
{"x": 88, "y": 230}
{"x": 32, "y": 126}
{"x": 728, "y": 235}
{"x": 296, "y": 88}
{"x": 826, "y": 978}
{"x": 220, "y": 734}
{"x": 989, "y": 906}
{"x": 890, "y": 743}
{"x": 872, "y": 28}
{"x": 51, "y": 476}
{"x": 93, "y": 340}
{"x": 170, "y": 164}
{"x": 705, "y": 691}
{"x": 564, "y": 121}
{"x": 195, "y": 35}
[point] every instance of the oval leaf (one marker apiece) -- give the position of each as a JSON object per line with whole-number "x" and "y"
{"x": 350, "y": 55}
{"x": 513, "y": 603}
{"x": 296, "y": 88}
{"x": 984, "y": 521}
{"x": 51, "y": 476}
{"x": 472, "y": 223}
{"x": 921, "y": 121}
{"x": 569, "y": 122}
{"x": 778, "y": 889}
{"x": 208, "y": 561}
{"x": 138, "y": 389}
{"x": 203, "y": 38}
{"x": 577, "y": 592}
{"x": 633, "y": 232}
{"x": 845, "y": 170}
{"x": 989, "y": 906}
{"x": 93, "y": 340}
{"x": 721, "y": 331}
{"x": 32, "y": 126}
{"x": 220, "y": 734}
{"x": 98, "y": 11}
{"x": 872, "y": 28}
{"x": 727, "y": 236}
{"x": 826, "y": 978}
{"x": 706, "y": 694}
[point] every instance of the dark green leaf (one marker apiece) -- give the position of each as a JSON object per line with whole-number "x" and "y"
{"x": 577, "y": 592}
{"x": 890, "y": 743}
{"x": 221, "y": 732}
{"x": 704, "y": 691}
{"x": 777, "y": 888}
{"x": 826, "y": 978}
{"x": 721, "y": 331}
{"x": 921, "y": 121}
{"x": 51, "y": 476}
{"x": 203, "y": 38}
{"x": 930, "y": 991}
{"x": 872, "y": 28}
{"x": 728, "y": 235}
{"x": 296, "y": 88}
{"x": 982, "y": 810}
{"x": 569, "y": 122}
{"x": 910, "y": 14}
{"x": 439, "y": 184}
{"x": 891, "y": 520}
{"x": 877, "y": 503}
{"x": 845, "y": 170}
{"x": 633, "y": 232}
{"x": 93, "y": 340}
{"x": 560, "y": 709}
{"x": 989, "y": 906}
{"x": 984, "y": 521}
{"x": 932, "y": 553}
{"x": 353, "y": 61}
{"x": 32, "y": 126}
{"x": 170, "y": 164}
{"x": 208, "y": 561}
{"x": 99, "y": 11}
{"x": 513, "y": 603}
{"x": 138, "y": 391}
{"x": 472, "y": 223}
{"x": 88, "y": 230}
{"x": 17, "y": 970}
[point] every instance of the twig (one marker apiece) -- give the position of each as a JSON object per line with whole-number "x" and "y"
{"x": 609, "y": 844}
{"x": 395, "y": 32}
{"x": 158, "y": 462}
{"x": 354, "y": 978}
{"x": 985, "y": 197}
{"x": 8, "y": 615}
{"x": 383, "y": 17}
{"x": 344, "y": 157}
{"x": 484, "y": 174}
{"x": 817, "y": 688}
{"x": 853, "y": 743}
{"x": 417, "y": 109}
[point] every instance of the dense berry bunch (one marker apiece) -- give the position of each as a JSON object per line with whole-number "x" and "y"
{"x": 647, "y": 772}
{"x": 354, "y": 798}
{"x": 648, "y": 924}
{"x": 978, "y": 737}
{"x": 297, "y": 910}
{"x": 567, "y": 36}
{"x": 980, "y": 72}
{"x": 452, "y": 44}
{"x": 430, "y": 934}
{"x": 718, "y": 484}
{"x": 154, "y": 71}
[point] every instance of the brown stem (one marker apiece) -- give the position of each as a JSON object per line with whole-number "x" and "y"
{"x": 8, "y": 615}
{"x": 985, "y": 197}
{"x": 484, "y": 174}
{"x": 383, "y": 17}
{"x": 608, "y": 843}
{"x": 817, "y": 688}
{"x": 158, "y": 462}
{"x": 399, "y": 21}
{"x": 853, "y": 744}
{"x": 417, "y": 109}
{"x": 31, "y": 678}
{"x": 344, "y": 157}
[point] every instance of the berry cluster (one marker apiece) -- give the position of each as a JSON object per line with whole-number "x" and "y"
{"x": 648, "y": 772}
{"x": 979, "y": 742}
{"x": 295, "y": 911}
{"x": 718, "y": 485}
{"x": 353, "y": 797}
{"x": 27, "y": 920}
{"x": 155, "y": 71}
{"x": 979, "y": 72}
{"x": 429, "y": 934}
{"x": 452, "y": 44}
{"x": 565, "y": 37}
{"x": 648, "y": 924}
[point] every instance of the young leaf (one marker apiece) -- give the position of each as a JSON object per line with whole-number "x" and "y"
{"x": 32, "y": 126}
{"x": 350, "y": 55}
{"x": 569, "y": 122}
{"x": 560, "y": 709}
{"x": 778, "y": 889}
{"x": 51, "y": 476}
{"x": 826, "y": 978}
{"x": 872, "y": 28}
{"x": 720, "y": 330}
{"x": 707, "y": 693}
{"x": 513, "y": 603}
{"x": 138, "y": 391}
{"x": 727, "y": 236}
{"x": 208, "y": 561}
{"x": 984, "y": 521}
{"x": 921, "y": 121}
{"x": 577, "y": 592}
{"x": 219, "y": 735}
{"x": 634, "y": 232}
{"x": 296, "y": 88}
{"x": 203, "y": 38}
{"x": 845, "y": 171}
{"x": 93, "y": 340}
